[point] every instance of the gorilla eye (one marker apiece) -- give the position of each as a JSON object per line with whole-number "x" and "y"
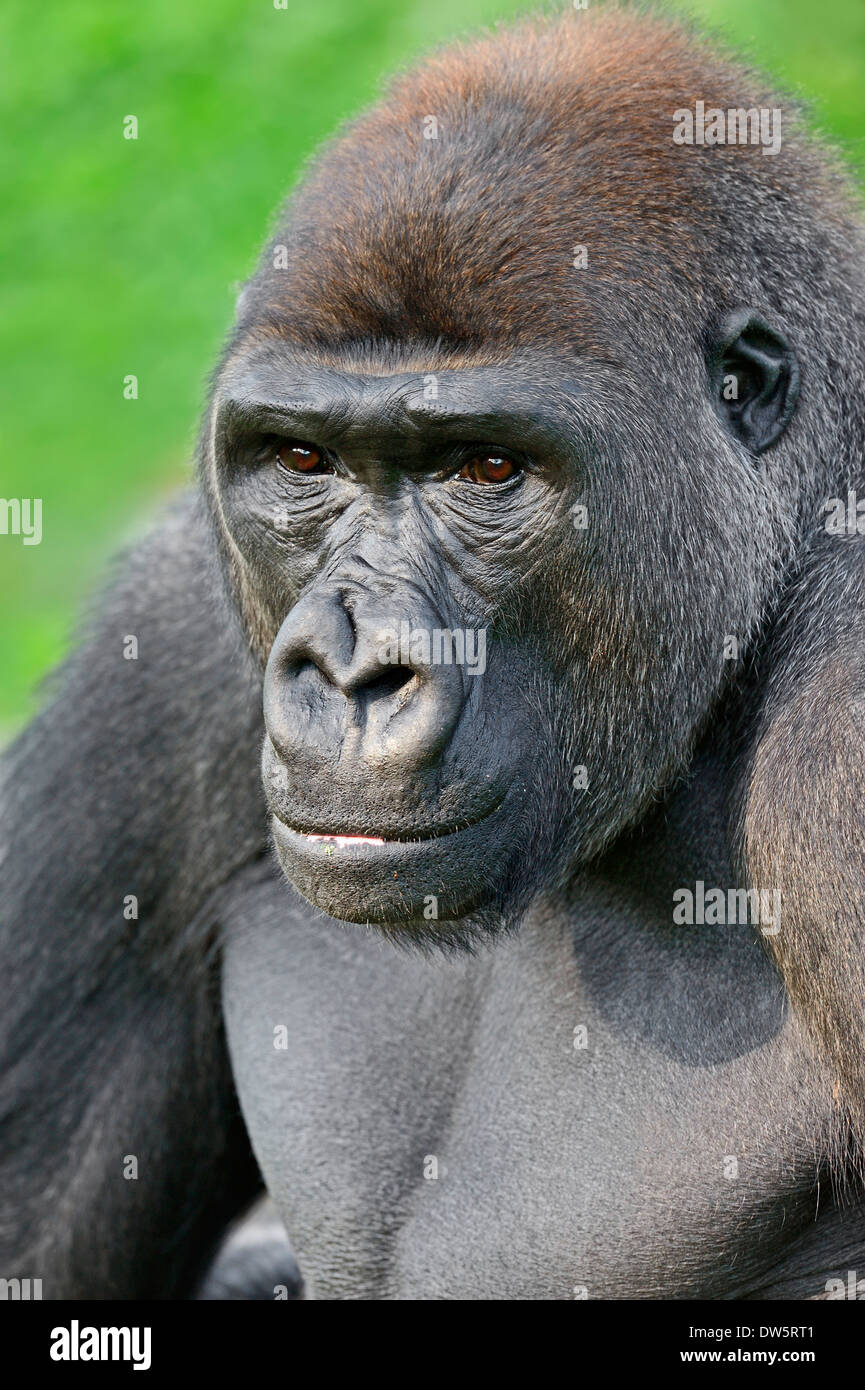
{"x": 295, "y": 457}
{"x": 488, "y": 468}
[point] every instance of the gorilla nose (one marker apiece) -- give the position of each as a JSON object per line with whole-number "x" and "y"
{"x": 344, "y": 681}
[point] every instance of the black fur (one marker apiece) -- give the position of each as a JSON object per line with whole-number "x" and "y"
{"x": 608, "y": 650}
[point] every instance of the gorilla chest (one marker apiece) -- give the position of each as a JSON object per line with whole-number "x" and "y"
{"x": 519, "y": 1124}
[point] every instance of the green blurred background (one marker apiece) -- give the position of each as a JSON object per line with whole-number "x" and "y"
{"x": 123, "y": 256}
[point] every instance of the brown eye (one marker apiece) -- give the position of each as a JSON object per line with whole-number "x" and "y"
{"x": 295, "y": 457}
{"x": 488, "y": 468}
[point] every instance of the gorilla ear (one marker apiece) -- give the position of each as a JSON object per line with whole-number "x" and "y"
{"x": 755, "y": 380}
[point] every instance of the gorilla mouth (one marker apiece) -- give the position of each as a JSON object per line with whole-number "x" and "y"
{"x": 392, "y": 877}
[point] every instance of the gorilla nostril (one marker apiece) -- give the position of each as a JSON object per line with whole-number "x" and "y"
{"x": 391, "y": 680}
{"x": 307, "y": 672}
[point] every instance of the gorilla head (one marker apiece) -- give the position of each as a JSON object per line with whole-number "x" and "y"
{"x": 500, "y": 464}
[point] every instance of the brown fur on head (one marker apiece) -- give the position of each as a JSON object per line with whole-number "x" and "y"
{"x": 552, "y": 133}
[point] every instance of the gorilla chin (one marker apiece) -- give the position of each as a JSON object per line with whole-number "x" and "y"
{"x": 429, "y": 882}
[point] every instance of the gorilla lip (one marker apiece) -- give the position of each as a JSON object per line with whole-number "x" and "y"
{"x": 349, "y": 840}
{"x": 340, "y": 841}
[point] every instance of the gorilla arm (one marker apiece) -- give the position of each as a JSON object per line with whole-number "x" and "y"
{"x": 138, "y": 781}
{"x": 798, "y": 808}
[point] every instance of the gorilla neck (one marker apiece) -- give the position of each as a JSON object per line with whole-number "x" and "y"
{"x": 682, "y": 841}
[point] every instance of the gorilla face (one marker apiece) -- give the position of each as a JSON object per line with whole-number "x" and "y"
{"x": 495, "y": 606}
{"x": 391, "y": 524}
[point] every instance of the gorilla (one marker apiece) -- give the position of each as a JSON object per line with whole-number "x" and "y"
{"x": 450, "y": 819}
